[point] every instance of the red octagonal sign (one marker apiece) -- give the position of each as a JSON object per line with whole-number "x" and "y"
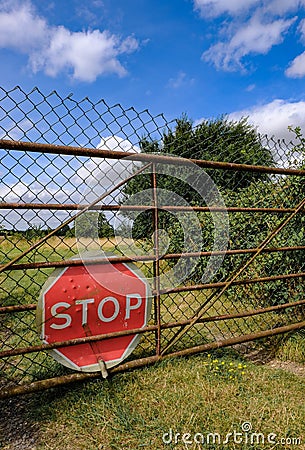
{"x": 79, "y": 301}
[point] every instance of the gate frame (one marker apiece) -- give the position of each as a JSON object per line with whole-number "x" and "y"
{"x": 150, "y": 161}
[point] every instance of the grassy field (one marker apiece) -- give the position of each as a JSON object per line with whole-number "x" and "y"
{"x": 190, "y": 403}
{"x": 203, "y": 398}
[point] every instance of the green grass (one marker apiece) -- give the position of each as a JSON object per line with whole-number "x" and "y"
{"x": 292, "y": 347}
{"x": 202, "y": 394}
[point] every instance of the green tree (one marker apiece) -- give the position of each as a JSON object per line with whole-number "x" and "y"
{"x": 105, "y": 229}
{"x": 91, "y": 224}
{"x": 64, "y": 231}
{"x": 33, "y": 233}
{"x": 215, "y": 140}
{"x": 220, "y": 140}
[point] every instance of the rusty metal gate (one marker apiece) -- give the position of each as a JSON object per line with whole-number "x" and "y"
{"x": 225, "y": 262}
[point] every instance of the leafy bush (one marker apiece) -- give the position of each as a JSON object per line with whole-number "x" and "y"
{"x": 248, "y": 230}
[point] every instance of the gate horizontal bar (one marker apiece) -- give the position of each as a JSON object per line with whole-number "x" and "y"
{"x": 72, "y": 378}
{"x": 17, "y": 308}
{"x": 145, "y": 157}
{"x": 234, "y": 283}
{"x": 145, "y": 258}
{"x": 74, "y": 207}
{"x": 143, "y": 330}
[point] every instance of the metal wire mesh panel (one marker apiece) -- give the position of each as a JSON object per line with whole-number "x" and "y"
{"x": 213, "y": 222}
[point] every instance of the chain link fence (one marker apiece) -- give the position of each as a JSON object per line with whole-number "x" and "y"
{"x": 212, "y": 216}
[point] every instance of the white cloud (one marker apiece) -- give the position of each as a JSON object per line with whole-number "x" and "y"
{"x": 254, "y": 37}
{"x": 32, "y": 193}
{"x": 296, "y": 68}
{"x": 177, "y": 82}
{"x": 215, "y": 8}
{"x": 218, "y": 7}
{"x": 91, "y": 180}
{"x": 20, "y": 28}
{"x": 274, "y": 118}
{"x": 180, "y": 80}
{"x": 14, "y": 192}
{"x": 118, "y": 144}
{"x": 301, "y": 29}
{"x": 280, "y": 7}
{"x": 254, "y": 27}
{"x": 250, "y": 88}
{"x": 87, "y": 54}
{"x": 101, "y": 174}
{"x": 25, "y": 218}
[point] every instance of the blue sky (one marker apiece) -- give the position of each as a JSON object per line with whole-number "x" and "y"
{"x": 204, "y": 58}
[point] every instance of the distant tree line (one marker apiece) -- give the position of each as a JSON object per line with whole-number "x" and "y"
{"x": 89, "y": 224}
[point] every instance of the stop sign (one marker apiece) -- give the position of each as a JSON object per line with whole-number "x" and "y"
{"x": 81, "y": 301}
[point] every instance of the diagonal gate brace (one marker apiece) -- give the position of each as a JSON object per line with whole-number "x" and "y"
{"x": 216, "y": 295}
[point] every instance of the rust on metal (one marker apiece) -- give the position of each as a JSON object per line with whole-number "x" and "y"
{"x": 143, "y": 258}
{"x": 17, "y": 308}
{"x": 144, "y": 157}
{"x": 221, "y": 284}
{"x": 156, "y": 263}
{"x": 246, "y": 281}
{"x": 147, "y": 329}
{"x": 75, "y": 377}
{"x": 103, "y": 207}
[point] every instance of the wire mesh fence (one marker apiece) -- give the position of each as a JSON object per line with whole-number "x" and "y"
{"x": 212, "y": 216}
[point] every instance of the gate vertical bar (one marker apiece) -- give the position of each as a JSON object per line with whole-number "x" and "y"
{"x": 156, "y": 263}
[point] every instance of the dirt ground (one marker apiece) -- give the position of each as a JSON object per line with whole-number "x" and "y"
{"x": 15, "y": 431}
